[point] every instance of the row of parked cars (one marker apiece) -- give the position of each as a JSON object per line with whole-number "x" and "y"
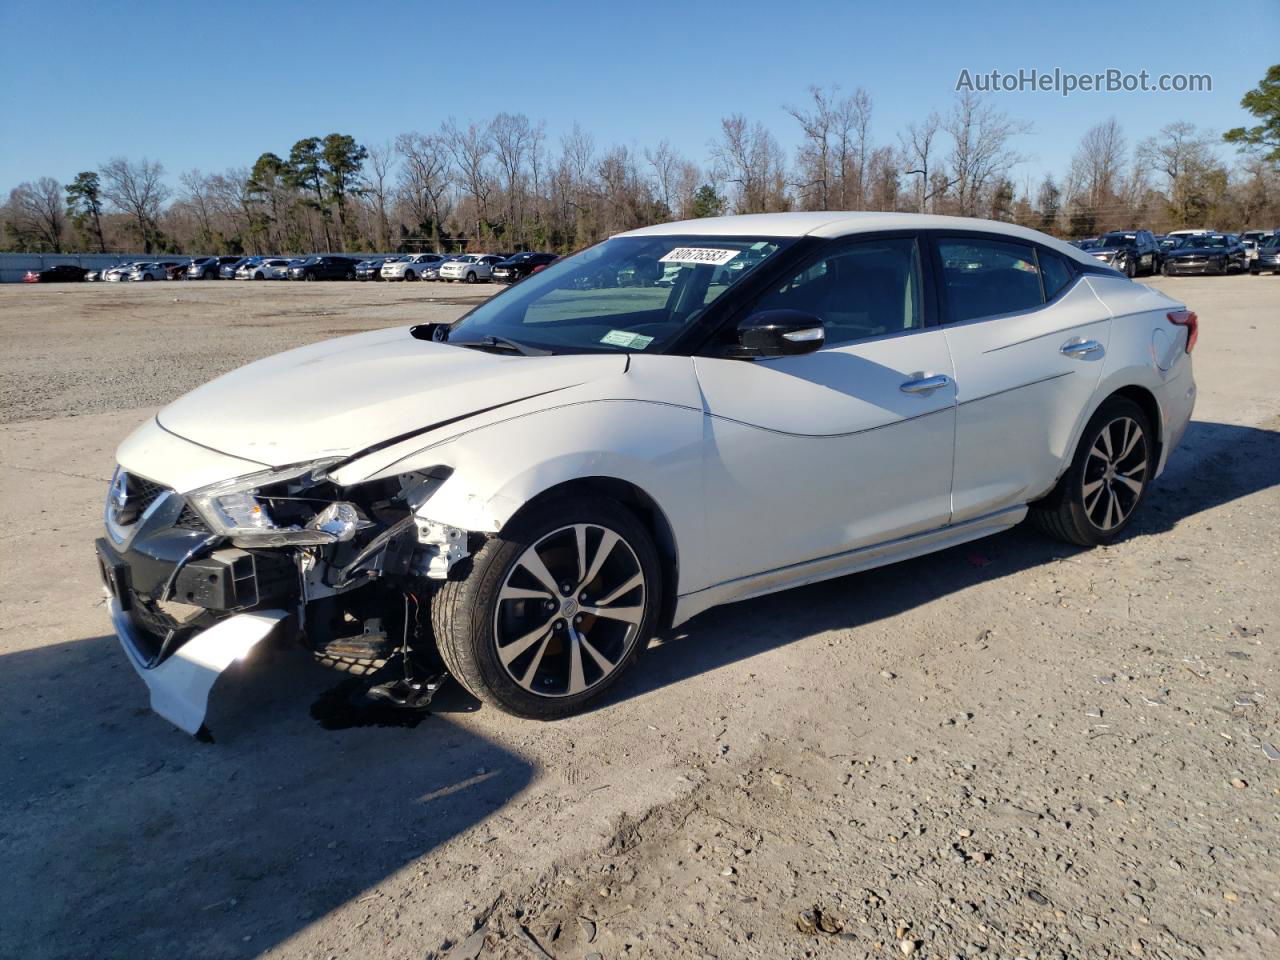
{"x": 1135, "y": 252}
{"x": 459, "y": 268}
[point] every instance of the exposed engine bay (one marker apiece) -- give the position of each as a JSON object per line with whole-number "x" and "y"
{"x": 196, "y": 580}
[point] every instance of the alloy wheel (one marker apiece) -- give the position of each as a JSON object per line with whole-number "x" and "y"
{"x": 570, "y": 610}
{"x": 1115, "y": 473}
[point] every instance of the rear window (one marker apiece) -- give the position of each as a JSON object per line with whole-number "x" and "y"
{"x": 987, "y": 278}
{"x": 1055, "y": 272}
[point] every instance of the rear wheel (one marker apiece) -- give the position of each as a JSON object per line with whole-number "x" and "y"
{"x": 1100, "y": 492}
{"x": 553, "y": 610}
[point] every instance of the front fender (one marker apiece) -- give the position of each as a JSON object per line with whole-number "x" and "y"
{"x": 497, "y": 469}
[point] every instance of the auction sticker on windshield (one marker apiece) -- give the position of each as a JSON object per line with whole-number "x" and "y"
{"x": 714, "y": 258}
{"x": 621, "y": 338}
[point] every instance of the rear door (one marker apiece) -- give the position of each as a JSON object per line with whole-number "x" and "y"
{"x": 1027, "y": 336}
{"x": 849, "y": 446}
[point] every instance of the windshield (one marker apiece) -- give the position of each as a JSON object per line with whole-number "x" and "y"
{"x": 1202, "y": 242}
{"x": 1118, "y": 240}
{"x": 628, "y": 293}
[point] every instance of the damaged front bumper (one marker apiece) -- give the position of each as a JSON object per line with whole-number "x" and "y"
{"x": 188, "y": 601}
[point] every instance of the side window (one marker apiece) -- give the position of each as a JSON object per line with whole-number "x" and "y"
{"x": 861, "y": 290}
{"x": 985, "y": 278}
{"x": 1056, "y": 273}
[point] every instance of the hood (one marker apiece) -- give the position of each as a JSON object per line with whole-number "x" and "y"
{"x": 335, "y": 398}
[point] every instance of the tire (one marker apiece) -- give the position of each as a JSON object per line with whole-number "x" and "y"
{"x": 350, "y": 275}
{"x": 471, "y": 277}
{"x": 1130, "y": 268}
{"x": 309, "y": 276}
{"x": 259, "y": 276}
{"x": 1084, "y": 506}
{"x": 1166, "y": 271}
{"x": 409, "y": 275}
{"x": 544, "y": 681}
{"x": 147, "y": 276}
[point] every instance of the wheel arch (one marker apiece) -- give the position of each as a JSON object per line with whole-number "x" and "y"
{"x": 640, "y": 505}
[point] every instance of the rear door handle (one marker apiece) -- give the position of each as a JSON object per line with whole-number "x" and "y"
{"x": 926, "y": 384}
{"x": 1079, "y": 349}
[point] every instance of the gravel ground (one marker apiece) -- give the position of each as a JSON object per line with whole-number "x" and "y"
{"x": 1009, "y": 749}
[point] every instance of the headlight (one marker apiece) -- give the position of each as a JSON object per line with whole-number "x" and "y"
{"x": 235, "y": 509}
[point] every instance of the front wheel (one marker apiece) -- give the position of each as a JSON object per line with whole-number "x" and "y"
{"x": 1100, "y": 492}
{"x": 1167, "y": 270}
{"x": 553, "y": 610}
{"x": 410, "y": 275}
{"x": 1130, "y": 268}
{"x": 471, "y": 278}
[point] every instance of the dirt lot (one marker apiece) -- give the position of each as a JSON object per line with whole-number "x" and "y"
{"x": 1010, "y": 749}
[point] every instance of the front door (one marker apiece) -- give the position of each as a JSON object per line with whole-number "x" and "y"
{"x": 818, "y": 454}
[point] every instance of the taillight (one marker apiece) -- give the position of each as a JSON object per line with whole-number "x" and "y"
{"x": 1188, "y": 319}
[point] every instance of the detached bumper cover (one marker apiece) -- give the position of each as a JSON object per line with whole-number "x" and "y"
{"x": 180, "y": 684}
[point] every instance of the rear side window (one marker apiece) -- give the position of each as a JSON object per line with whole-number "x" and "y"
{"x": 986, "y": 278}
{"x": 1056, "y": 274}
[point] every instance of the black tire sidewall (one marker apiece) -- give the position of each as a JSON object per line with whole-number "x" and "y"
{"x": 1110, "y": 410}
{"x": 473, "y": 641}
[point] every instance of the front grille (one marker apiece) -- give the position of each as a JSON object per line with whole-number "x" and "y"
{"x": 142, "y": 492}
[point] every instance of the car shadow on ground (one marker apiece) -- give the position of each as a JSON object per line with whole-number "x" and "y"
{"x": 1214, "y": 464}
{"x": 130, "y": 839}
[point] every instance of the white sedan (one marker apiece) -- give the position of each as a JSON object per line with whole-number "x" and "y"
{"x": 268, "y": 268}
{"x": 409, "y": 267}
{"x": 470, "y": 267}
{"x": 537, "y": 489}
{"x": 148, "y": 271}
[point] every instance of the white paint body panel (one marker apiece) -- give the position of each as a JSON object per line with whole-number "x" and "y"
{"x": 768, "y": 473}
{"x": 180, "y": 685}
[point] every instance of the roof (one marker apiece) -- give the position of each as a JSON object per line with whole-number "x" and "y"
{"x": 834, "y": 223}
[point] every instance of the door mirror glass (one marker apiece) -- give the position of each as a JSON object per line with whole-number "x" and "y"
{"x": 779, "y": 333}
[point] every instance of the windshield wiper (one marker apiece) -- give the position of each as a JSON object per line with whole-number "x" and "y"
{"x": 490, "y": 342}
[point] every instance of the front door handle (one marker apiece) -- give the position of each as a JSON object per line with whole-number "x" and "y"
{"x": 1079, "y": 349}
{"x": 925, "y": 384}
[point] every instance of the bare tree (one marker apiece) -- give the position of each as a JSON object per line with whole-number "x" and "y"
{"x": 471, "y": 150}
{"x": 919, "y": 151}
{"x": 665, "y": 163}
{"x": 36, "y": 214}
{"x": 377, "y": 187}
{"x": 1183, "y": 155}
{"x": 424, "y": 178}
{"x": 748, "y": 157}
{"x": 512, "y": 136}
{"x": 980, "y": 154}
{"x": 198, "y": 195}
{"x": 137, "y": 189}
{"x": 1098, "y": 162}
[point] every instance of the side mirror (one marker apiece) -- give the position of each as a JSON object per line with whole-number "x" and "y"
{"x": 779, "y": 333}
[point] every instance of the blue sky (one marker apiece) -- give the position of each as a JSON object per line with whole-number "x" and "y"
{"x": 212, "y": 85}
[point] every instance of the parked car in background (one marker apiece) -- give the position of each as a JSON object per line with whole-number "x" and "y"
{"x": 209, "y": 268}
{"x": 1205, "y": 253}
{"x": 62, "y": 273}
{"x": 1130, "y": 251}
{"x": 557, "y": 477}
{"x": 431, "y": 271}
{"x": 93, "y": 275}
{"x": 410, "y": 266}
{"x": 174, "y": 269}
{"x": 1268, "y": 258}
{"x": 325, "y": 266}
{"x": 228, "y": 270}
{"x": 148, "y": 271}
{"x": 521, "y": 265}
{"x": 263, "y": 268}
{"x": 117, "y": 274}
{"x": 371, "y": 268}
{"x": 470, "y": 268}
{"x": 1085, "y": 243}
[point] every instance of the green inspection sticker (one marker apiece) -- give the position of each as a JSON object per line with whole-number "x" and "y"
{"x": 621, "y": 338}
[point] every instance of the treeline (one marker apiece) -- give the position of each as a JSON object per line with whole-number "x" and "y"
{"x": 504, "y": 184}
